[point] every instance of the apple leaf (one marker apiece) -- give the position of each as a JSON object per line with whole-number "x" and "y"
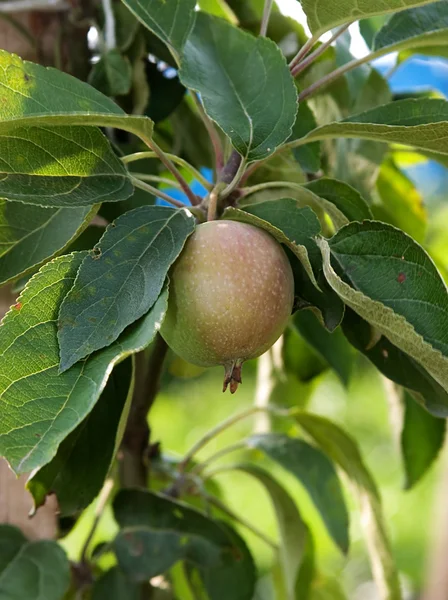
{"x": 248, "y": 92}
{"x": 294, "y": 533}
{"x": 413, "y": 28}
{"x": 39, "y": 406}
{"x": 31, "y": 570}
{"x": 326, "y": 14}
{"x": 30, "y": 235}
{"x": 343, "y": 450}
{"x": 422, "y": 439}
{"x": 61, "y": 167}
{"x": 387, "y": 278}
{"x": 317, "y": 474}
{"x": 120, "y": 279}
{"x": 170, "y": 20}
{"x": 422, "y": 123}
{"x": 32, "y": 95}
{"x": 77, "y": 472}
{"x": 156, "y": 532}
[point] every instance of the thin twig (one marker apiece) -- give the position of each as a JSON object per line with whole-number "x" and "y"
{"x": 155, "y": 192}
{"x": 303, "y": 51}
{"x": 242, "y": 521}
{"x": 175, "y": 159}
{"x": 223, "y": 452}
{"x": 156, "y": 179}
{"x": 34, "y": 5}
{"x": 170, "y": 166}
{"x": 265, "y": 19}
{"x": 110, "y": 39}
{"x": 213, "y": 203}
{"x": 306, "y": 62}
{"x": 222, "y": 427}
{"x": 213, "y": 134}
{"x": 317, "y": 85}
{"x": 99, "y": 509}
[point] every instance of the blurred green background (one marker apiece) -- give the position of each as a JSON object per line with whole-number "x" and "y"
{"x": 188, "y": 408}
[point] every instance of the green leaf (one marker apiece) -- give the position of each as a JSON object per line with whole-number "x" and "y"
{"x": 233, "y": 579}
{"x": 422, "y": 438}
{"x": 394, "y": 285}
{"x": 293, "y": 531}
{"x": 421, "y": 123}
{"x": 77, "y": 472}
{"x": 156, "y": 532}
{"x": 112, "y": 74}
{"x": 249, "y": 92}
{"x": 61, "y": 167}
{"x": 31, "y": 570}
{"x": 402, "y": 204}
{"x": 348, "y": 200}
{"x": 395, "y": 364}
{"x": 323, "y": 16}
{"x": 331, "y": 346}
{"x": 316, "y": 473}
{"x": 413, "y": 28}
{"x": 32, "y": 95}
{"x": 120, "y": 279}
{"x": 170, "y": 20}
{"x": 219, "y": 8}
{"x": 39, "y": 406}
{"x": 309, "y": 156}
{"x": 296, "y": 227}
{"x": 114, "y": 585}
{"x": 29, "y": 235}
{"x": 343, "y": 450}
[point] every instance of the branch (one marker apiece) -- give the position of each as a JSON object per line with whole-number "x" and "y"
{"x": 134, "y": 464}
{"x": 242, "y": 521}
{"x": 225, "y": 425}
{"x": 110, "y": 38}
{"x": 306, "y": 62}
{"x": 213, "y": 134}
{"x": 265, "y": 19}
{"x": 317, "y": 85}
{"x": 99, "y": 510}
{"x": 170, "y": 166}
{"x": 156, "y": 192}
{"x": 303, "y": 51}
{"x": 175, "y": 159}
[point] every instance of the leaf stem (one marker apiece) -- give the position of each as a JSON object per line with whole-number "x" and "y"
{"x": 110, "y": 38}
{"x": 166, "y": 161}
{"x": 303, "y": 51}
{"x": 157, "y": 179}
{"x": 103, "y": 498}
{"x": 156, "y": 192}
{"x": 248, "y": 191}
{"x": 222, "y": 427}
{"x": 317, "y": 85}
{"x": 213, "y": 203}
{"x": 213, "y": 134}
{"x": 265, "y": 19}
{"x": 242, "y": 521}
{"x": 306, "y": 62}
{"x": 197, "y": 469}
{"x": 175, "y": 159}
